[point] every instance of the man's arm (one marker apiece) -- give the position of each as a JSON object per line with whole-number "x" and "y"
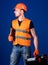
{"x": 35, "y": 41}
{"x": 10, "y": 31}
{"x": 10, "y": 37}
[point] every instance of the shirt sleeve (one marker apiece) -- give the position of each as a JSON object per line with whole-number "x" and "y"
{"x": 31, "y": 25}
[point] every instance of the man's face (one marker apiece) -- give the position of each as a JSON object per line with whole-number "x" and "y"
{"x": 17, "y": 12}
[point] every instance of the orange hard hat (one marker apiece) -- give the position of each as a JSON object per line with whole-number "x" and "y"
{"x": 21, "y": 6}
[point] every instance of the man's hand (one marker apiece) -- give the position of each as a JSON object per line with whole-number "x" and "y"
{"x": 36, "y": 52}
{"x": 10, "y": 38}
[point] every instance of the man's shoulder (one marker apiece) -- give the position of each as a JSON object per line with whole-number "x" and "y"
{"x": 14, "y": 20}
{"x": 28, "y": 19}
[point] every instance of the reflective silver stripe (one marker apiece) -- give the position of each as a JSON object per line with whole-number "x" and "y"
{"x": 23, "y": 37}
{"x": 22, "y": 31}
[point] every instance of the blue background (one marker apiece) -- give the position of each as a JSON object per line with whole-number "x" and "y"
{"x": 37, "y": 12}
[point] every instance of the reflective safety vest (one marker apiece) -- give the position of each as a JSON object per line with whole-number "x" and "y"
{"x": 22, "y": 36}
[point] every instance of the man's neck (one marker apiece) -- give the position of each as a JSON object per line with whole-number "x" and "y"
{"x": 21, "y": 18}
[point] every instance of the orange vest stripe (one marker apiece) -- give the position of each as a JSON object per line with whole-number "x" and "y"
{"x": 22, "y": 31}
{"x": 23, "y": 37}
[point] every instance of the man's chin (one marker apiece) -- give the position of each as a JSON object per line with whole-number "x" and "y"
{"x": 16, "y": 16}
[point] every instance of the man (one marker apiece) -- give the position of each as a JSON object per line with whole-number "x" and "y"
{"x": 21, "y": 31}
